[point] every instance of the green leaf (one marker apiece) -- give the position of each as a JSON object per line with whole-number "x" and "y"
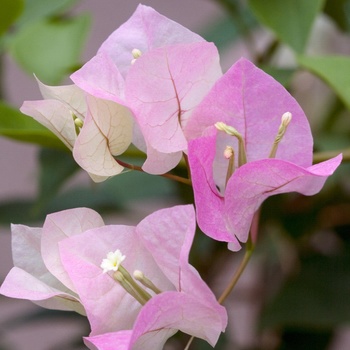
{"x": 38, "y": 9}
{"x": 290, "y": 20}
{"x": 116, "y": 193}
{"x": 238, "y": 21}
{"x": 10, "y": 10}
{"x": 223, "y": 32}
{"x": 339, "y": 10}
{"x": 20, "y": 127}
{"x": 50, "y": 48}
{"x": 282, "y": 75}
{"x": 334, "y": 70}
{"x": 317, "y": 298}
{"x": 56, "y": 167}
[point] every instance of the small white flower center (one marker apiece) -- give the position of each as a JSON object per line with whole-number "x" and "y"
{"x": 113, "y": 261}
{"x": 136, "y": 53}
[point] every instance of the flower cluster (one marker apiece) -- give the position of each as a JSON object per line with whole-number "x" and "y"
{"x": 159, "y": 86}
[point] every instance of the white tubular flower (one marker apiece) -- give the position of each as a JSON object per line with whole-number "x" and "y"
{"x": 113, "y": 261}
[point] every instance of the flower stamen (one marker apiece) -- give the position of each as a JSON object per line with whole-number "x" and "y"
{"x": 119, "y": 277}
{"x": 139, "y": 276}
{"x": 285, "y": 120}
{"x": 230, "y": 155}
{"x": 230, "y": 130}
{"x": 78, "y": 123}
{"x": 123, "y": 277}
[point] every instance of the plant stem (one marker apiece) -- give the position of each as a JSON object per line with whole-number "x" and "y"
{"x": 322, "y": 156}
{"x": 169, "y": 176}
{"x": 249, "y": 249}
{"x": 248, "y": 253}
{"x": 189, "y": 343}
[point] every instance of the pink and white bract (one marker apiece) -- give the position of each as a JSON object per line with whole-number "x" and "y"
{"x": 60, "y": 267}
{"x": 161, "y": 71}
{"x": 38, "y": 274}
{"x": 253, "y": 103}
{"x": 105, "y": 130}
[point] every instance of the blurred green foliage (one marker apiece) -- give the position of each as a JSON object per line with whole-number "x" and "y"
{"x": 56, "y": 41}
{"x": 304, "y": 243}
{"x": 290, "y": 20}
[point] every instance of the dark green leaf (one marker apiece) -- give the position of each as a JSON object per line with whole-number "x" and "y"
{"x": 317, "y": 297}
{"x": 334, "y": 70}
{"x": 51, "y": 48}
{"x": 18, "y": 211}
{"x": 115, "y": 193}
{"x": 290, "y": 20}
{"x": 305, "y": 339}
{"x": 20, "y": 127}
{"x": 339, "y": 10}
{"x": 223, "y": 32}
{"x": 282, "y": 75}
{"x": 55, "y": 168}
{"x": 10, "y": 10}
{"x": 237, "y": 22}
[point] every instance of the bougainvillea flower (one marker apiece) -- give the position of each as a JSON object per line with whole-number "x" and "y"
{"x": 94, "y": 129}
{"x": 251, "y": 103}
{"x": 158, "y": 246}
{"x": 38, "y": 274}
{"x": 161, "y": 71}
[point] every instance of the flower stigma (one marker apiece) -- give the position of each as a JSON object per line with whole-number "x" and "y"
{"x": 113, "y": 261}
{"x": 230, "y": 155}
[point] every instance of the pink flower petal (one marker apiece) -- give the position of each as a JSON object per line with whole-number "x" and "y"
{"x": 101, "y": 78}
{"x": 253, "y": 102}
{"x": 252, "y": 183}
{"x": 174, "y": 80}
{"x": 59, "y": 226}
{"x": 109, "y": 341}
{"x": 55, "y": 116}
{"x": 22, "y": 285}
{"x": 83, "y": 267}
{"x": 145, "y": 30}
{"x": 209, "y": 202}
{"x": 185, "y": 312}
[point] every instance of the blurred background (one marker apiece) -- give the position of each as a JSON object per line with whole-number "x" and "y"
{"x": 295, "y": 292}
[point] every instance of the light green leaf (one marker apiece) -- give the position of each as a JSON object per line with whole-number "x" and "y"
{"x": 38, "y": 9}
{"x": 10, "y": 10}
{"x": 18, "y": 126}
{"x": 51, "y": 48}
{"x": 334, "y": 70}
{"x": 290, "y": 20}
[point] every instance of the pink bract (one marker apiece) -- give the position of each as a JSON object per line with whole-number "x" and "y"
{"x": 253, "y": 103}
{"x": 38, "y": 274}
{"x": 59, "y": 267}
{"x": 159, "y": 246}
{"x": 106, "y": 131}
{"x": 175, "y": 71}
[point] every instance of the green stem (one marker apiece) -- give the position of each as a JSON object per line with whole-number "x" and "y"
{"x": 189, "y": 343}
{"x": 249, "y": 249}
{"x": 248, "y": 253}
{"x": 168, "y": 176}
{"x": 322, "y": 156}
